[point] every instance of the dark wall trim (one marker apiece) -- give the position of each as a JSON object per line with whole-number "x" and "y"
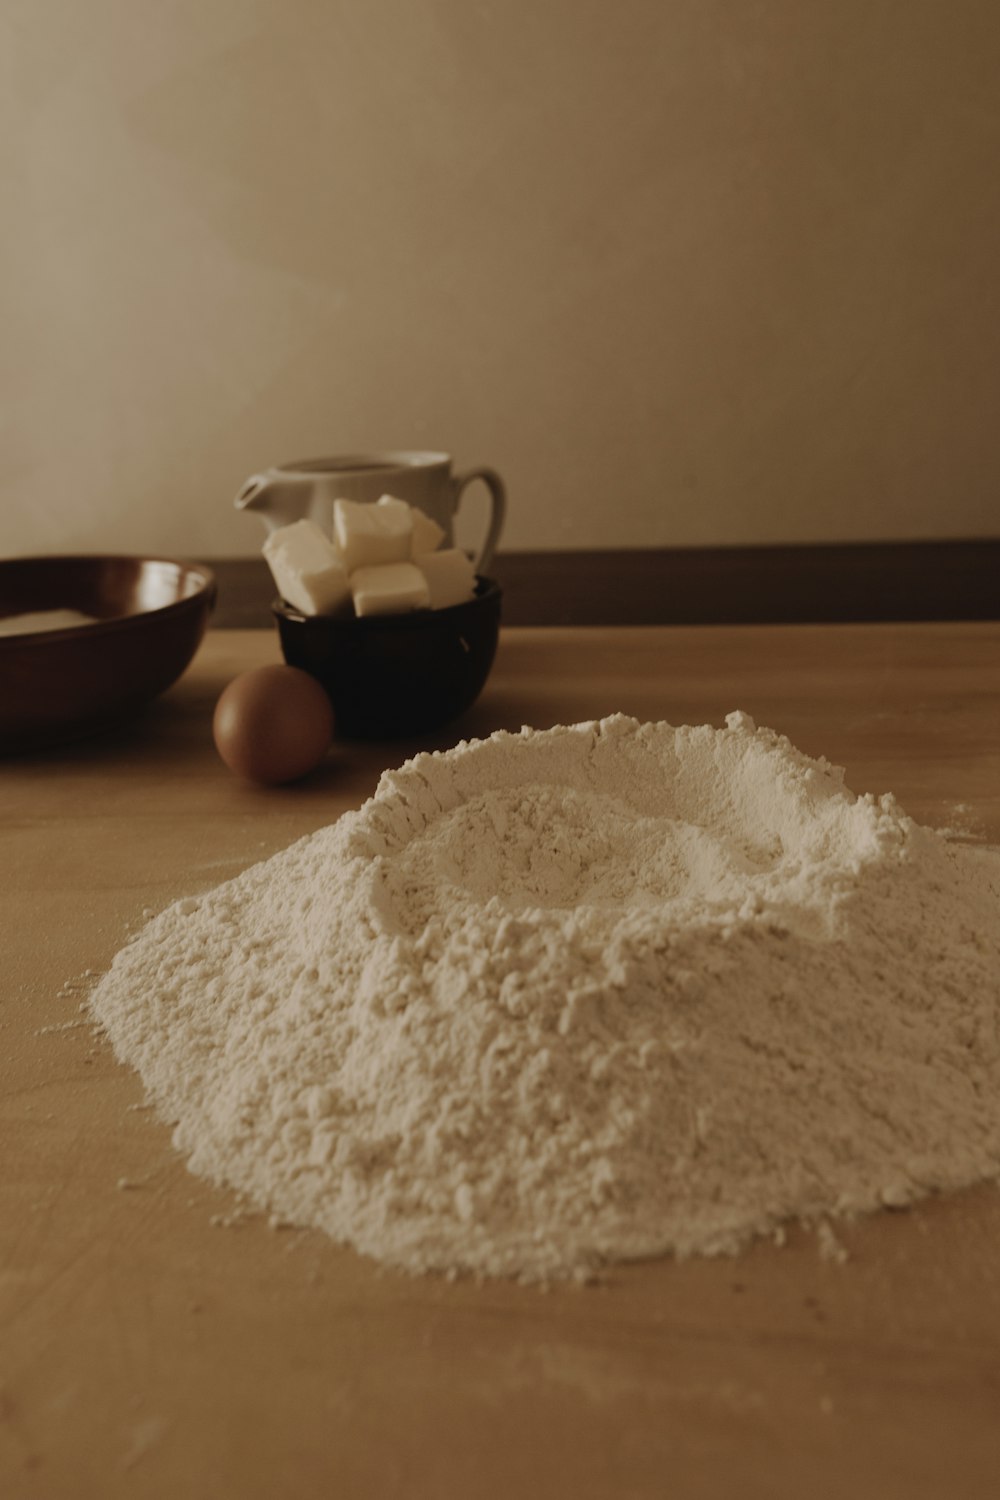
{"x": 950, "y": 580}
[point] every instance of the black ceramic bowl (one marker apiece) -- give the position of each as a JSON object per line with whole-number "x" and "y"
{"x": 149, "y": 617}
{"x": 391, "y": 676}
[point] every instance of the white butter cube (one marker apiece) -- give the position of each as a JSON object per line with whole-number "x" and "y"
{"x": 427, "y": 534}
{"x": 307, "y": 569}
{"x": 391, "y": 589}
{"x": 369, "y": 535}
{"x": 388, "y": 505}
{"x": 451, "y": 578}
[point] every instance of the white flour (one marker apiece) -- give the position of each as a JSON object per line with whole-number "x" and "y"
{"x": 591, "y": 993}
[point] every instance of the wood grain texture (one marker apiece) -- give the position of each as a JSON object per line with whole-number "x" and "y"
{"x": 847, "y": 581}
{"x": 146, "y": 1350}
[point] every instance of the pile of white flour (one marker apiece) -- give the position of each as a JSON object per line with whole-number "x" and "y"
{"x": 578, "y": 995}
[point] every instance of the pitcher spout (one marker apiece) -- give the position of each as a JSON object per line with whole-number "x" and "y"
{"x": 273, "y": 499}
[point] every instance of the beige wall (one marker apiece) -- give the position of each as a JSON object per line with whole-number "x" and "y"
{"x": 686, "y": 271}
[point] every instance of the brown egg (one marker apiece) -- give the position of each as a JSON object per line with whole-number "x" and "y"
{"x": 273, "y": 724}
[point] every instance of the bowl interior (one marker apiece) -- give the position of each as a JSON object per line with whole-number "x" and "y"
{"x": 106, "y": 587}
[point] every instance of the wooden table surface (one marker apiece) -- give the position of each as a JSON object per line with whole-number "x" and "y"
{"x": 150, "y": 1348}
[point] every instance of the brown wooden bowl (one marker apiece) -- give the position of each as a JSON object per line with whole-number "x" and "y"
{"x": 56, "y": 685}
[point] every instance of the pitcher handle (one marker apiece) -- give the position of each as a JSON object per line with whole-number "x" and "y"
{"x": 498, "y": 510}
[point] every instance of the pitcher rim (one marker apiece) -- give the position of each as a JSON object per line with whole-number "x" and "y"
{"x": 365, "y": 463}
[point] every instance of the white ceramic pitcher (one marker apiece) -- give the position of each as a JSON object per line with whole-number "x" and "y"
{"x": 309, "y": 487}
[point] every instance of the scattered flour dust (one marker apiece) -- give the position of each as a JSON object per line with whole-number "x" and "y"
{"x": 586, "y": 994}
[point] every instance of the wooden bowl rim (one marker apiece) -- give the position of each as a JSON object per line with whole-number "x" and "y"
{"x": 203, "y": 595}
